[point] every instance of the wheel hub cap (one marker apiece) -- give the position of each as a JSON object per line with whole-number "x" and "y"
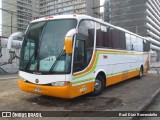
{"x": 97, "y": 85}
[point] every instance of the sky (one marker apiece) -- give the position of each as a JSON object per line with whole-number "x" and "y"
{"x": 101, "y": 3}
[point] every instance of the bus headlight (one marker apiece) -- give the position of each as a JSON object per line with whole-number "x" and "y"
{"x": 22, "y": 79}
{"x": 60, "y": 83}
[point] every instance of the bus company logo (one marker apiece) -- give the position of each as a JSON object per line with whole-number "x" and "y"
{"x": 37, "y": 81}
{"x": 6, "y": 114}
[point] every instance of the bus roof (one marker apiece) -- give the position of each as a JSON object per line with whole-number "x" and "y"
{"x": 75, "y": 16}
{"x": 80, "y": 17}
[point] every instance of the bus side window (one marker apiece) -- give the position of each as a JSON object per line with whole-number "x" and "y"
{"x": 79, "y": 51}
{"x": 118, "y": 39}
{"x": 139, "y": 44}
{"x": 146, "y": 46}
{"x": 129, "y": 46}
{"x": 133, "y": 42}
{"x": 132, "y": 48}
{"x": 102, "y": 38}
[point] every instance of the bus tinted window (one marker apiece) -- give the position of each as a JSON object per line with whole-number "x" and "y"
{"x": 139, "y": 44}
{"x": 118, "y": 39}
{"x": 146, "y": 46}
{"x": 110, "y": 37}
{"x": 128, "y": 41}
{"x": 102, "y": 39}
{"x": 133, "y": 42}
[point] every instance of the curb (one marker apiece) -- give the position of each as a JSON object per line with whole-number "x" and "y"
{"x": 148, "y": 103}
{"x": 153, "y": 72}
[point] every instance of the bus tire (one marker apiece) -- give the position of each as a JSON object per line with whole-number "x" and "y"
{"x": 99, "y": 85}
{"x": 140, "y": 73}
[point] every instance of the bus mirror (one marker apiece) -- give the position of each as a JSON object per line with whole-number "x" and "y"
{"x": 15, "y": 36}
{"x": 9, "y": 44}
{"x": 68, "y": 41}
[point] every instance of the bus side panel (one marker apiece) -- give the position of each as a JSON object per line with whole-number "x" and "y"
{"x": 119, "y": 78}
{"x": 120, "y": 65}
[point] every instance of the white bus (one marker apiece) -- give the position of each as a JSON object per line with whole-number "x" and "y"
{"x": 71, "y": 55}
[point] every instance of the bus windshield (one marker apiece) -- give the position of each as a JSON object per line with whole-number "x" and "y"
{"x": 42, "y": 49}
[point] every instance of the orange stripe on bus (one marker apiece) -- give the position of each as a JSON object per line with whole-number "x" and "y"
{"x": 89, "y": 68}
{"x": 121, "y": 77}
{"x": 147, "y": 61}
{"x": 120, "y": 51}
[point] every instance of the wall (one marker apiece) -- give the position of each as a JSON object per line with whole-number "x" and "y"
{"x": 9, "y": 68}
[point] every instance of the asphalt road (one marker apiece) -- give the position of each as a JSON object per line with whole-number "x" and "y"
{"x": 129, "y": 95}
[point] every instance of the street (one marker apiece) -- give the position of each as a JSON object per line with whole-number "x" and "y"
{"x": 130, "y": 95}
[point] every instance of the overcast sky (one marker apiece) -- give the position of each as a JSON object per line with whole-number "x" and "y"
{"x": 101, "y": 3}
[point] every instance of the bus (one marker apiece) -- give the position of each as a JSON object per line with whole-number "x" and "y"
{"x": 67, "y": 56}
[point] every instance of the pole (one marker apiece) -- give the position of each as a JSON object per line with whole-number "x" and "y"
{"x": 0, "y": 47}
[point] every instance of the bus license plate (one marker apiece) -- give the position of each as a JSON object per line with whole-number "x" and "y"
{"x": 37, "y": 90}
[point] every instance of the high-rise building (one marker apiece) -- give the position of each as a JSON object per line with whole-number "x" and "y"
{"x": 9, "y": 21}
{"x": 139, "y": 16}
{"x": 106, "y": 11}
{"x": 60, "y": 7}
{"x": 16, "y": 14}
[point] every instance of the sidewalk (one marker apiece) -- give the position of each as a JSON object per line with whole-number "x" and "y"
{"x": 154, "y": 107}
{"x": 155, "y": 64}
{"x": 8, "y": 76}
{"x": 154, "y": 67}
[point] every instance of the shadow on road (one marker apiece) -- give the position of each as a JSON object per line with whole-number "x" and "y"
{"x": 83, "y": 103}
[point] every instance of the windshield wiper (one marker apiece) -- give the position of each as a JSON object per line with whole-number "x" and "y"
{"x": 58, "y": 58}
{"x": 29, "y": 62}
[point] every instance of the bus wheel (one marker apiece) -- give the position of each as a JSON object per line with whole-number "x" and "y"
{"x": 140, "y": 73}
{"x": 98, "y": 85}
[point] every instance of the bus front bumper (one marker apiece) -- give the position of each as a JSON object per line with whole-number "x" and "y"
{"x": 61, "y": 92}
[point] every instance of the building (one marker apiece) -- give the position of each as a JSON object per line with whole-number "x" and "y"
{"x": 60, "y": 7}
{"x": 139, "y": 16}
{"x": 16, "y": 14}
{"x": 107, "y": 11}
